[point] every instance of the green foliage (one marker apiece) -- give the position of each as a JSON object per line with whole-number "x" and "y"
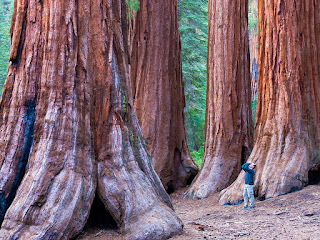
{"x": 254, "y": 109}
{"x": 193, "y": 26}
{"x": 124, "y": 104}
{"x": 133, "y": 6}
{"x": 197, "y": 156}
{"x": 6, "y": 8}
{"x": 253, "y": 19}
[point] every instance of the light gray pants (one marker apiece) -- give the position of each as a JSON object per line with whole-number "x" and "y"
{"x": 248, "y": 195}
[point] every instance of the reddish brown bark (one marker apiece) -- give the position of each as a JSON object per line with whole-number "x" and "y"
{"x": 67, "y": 112}
{"x": 156, "y": 76}
{"x": 254, "y": 50}
{"x": 287, "y": 133}
{"x": 228, "y": 128}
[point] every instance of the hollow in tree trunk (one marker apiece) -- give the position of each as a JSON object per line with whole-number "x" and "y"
{"x": 228, "y": 127}
{"x": 158, "y": 93}
{"x": 68, "y": 128}
{"x": 287, "y": 133}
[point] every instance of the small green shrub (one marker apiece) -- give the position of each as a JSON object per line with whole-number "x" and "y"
{"x": 254, "y": 109}
{"x": 197, "y": 156}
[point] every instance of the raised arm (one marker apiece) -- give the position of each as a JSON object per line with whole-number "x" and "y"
{"x": 246, "y": 168}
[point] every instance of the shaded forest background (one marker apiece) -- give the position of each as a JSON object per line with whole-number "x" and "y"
{"x": 193, "y": 25}
{"x": 6, "y": 8}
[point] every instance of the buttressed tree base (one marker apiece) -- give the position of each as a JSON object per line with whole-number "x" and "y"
{"x": 228, "y": 126}
{"x": 287, "y": 133}
{"x": 158, "y": 93}
{"x": 68, "y": 128}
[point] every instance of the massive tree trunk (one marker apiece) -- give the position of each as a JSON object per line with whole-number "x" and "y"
{"x": 158, "y": 94}
{"x": 228, "y": 127}
{"x": 287, "y": 133}
{"x": 66, "y": 112}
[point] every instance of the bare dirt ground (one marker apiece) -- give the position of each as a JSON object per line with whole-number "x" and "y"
{"x": 293, "y": 216}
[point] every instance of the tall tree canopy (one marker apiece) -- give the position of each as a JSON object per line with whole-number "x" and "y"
{"x": 158, "y": 91}
{"x": 287, "y": 133}
{"x": 228, "y": 128}
{"x": 68, "y": 128}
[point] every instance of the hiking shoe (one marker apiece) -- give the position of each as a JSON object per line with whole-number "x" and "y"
{"x": 249, "y": 207}
{"x": 245, "y": 208}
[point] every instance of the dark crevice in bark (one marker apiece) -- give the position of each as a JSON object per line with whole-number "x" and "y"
{"x": 245, "y": 153}
{"x": 28, "y": 133}
{"x": 99, "y": 216}
{"x": 175, "y": 182}
{"x": 190, "y": 179}
{"x": 17, "y": 41}
{"x": 170, "y": 188}
{"x": 314, "y": 176}
{"x": 19, "y": 50}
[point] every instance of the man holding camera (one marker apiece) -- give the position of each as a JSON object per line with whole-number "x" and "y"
{"x": 249, "y": 184}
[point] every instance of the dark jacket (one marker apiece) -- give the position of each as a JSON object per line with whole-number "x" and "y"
{"x": 248, "y": 178}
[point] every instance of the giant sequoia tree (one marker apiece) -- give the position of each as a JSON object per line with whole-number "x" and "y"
{"x": 228, "y": 127}
{"x": 68, "y": 129}
{"x": 253, "y": 40}
{"x": 287, "y": 133}
{"x": 158, "y": 94}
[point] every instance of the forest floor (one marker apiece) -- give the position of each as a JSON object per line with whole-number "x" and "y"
{"x": 292, "y": 216}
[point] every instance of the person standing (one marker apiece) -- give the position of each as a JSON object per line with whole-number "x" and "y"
{"x": 248, "y": 185}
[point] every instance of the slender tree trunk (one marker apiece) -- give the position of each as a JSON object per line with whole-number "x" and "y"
{"x": 287, "y": 133}
{"x": 228, "y": 128}
{"x": 67, "y": 113}
{"x": 254, "y": 50}
{"x": 158, "y": 94}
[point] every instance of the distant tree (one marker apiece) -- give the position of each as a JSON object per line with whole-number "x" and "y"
{"x": 193, "y": 26}
{"x": 287, "y": 133}
{"x": 228, "y": 128}
{"x": 253, "y": 42}
{"x": 68, "y": 130}
{"x": 158, "y": 92}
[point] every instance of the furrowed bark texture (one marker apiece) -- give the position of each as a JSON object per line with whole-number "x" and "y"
{"x": 287, "y": 133}
{"x": 158, "y": 93}
{"x": 56, "y": 192}
{"x": 228, "y": 127}
{"x": 67, "y": 113}
{"x": 17, "y": 108}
